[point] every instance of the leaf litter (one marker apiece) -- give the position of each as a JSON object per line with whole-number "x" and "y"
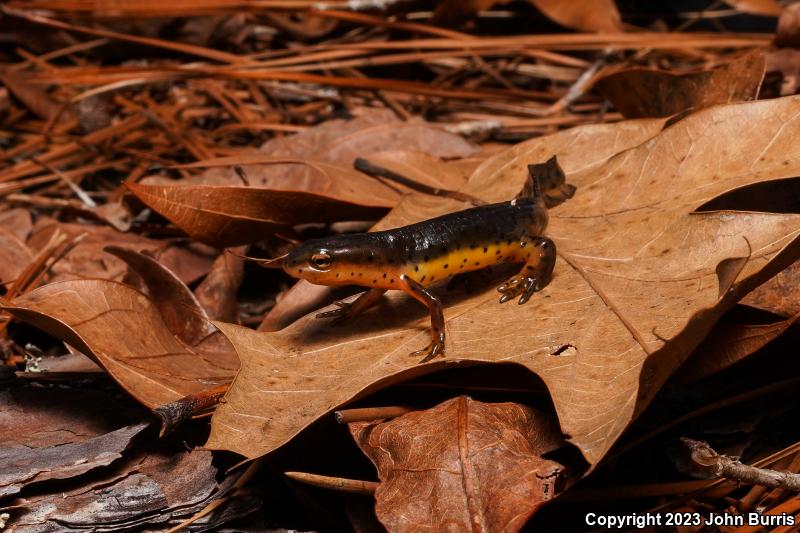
{"x": 243, "y": 129}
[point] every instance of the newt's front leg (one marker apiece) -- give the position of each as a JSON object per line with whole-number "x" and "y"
{"x": 536, "y": 273}
{"x": 349, "y": 310}
{"x": 420, "y": 293}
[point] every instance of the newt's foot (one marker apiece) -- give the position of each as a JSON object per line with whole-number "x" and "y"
{"x": 519, "y": 285}
{"x": 434, "y": 349}
{"x": 344, "y": 312}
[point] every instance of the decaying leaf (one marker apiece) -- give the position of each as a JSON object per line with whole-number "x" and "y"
{"x": 123, "y": 331}
{"x": 462, "y": 465}
{"x": 644, "y": 92}
{"x": 21, "y": 465}
{"x": 640, "y": 279}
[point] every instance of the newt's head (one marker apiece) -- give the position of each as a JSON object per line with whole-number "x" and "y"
{"x": 327, "y": 261}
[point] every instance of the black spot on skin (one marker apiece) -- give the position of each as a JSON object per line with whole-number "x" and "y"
{"x": 352, "y": 274}
{"x": 477, "y": 263}
{"x": 465, "y": 259}
{"x": 416, "y": 268}
{"x": 422, "y": 279}
{"x": 391, "y": 280}
{"x": 446, "y": 265}
{"x": 485, "y": 249}
{"x": 497, "y": 252}
{"x": 384, "y": 275}
{"x": 337, "y": 274}
{"x": 360, "y": 274}
{"x": 460, "y": 266}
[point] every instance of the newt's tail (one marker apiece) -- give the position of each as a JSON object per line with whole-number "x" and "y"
{"x": 547, "y": 180}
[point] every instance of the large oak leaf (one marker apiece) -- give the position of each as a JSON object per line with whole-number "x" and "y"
{"x": 641, "y": 278}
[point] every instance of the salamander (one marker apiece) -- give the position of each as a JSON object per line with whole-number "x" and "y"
{"x": 412, "y": 258}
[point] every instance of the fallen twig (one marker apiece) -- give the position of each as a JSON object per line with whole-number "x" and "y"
{"x": 698, "y": 459}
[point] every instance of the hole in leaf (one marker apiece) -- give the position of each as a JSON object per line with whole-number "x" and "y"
{"x": 561, "y": 349}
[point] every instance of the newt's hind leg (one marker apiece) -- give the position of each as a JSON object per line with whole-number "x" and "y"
{"x": 350, "y": 309}
{"x": 536, "y": 273}
{"x": 420, "y": 293}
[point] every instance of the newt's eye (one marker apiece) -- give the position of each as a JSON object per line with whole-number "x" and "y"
{"x": 321, "y": 260}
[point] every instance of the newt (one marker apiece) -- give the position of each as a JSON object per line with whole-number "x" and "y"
{"x": 412, "y": 258}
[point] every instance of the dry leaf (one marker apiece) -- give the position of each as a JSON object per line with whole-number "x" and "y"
{"x": 581, "y": 148}
{"x": 644, "y": 92}
{"x": 788, "y": 32}
{"x": 87, "y": 260}
{"x": 584, "y": 15}
{"x": 217, "y": 292}
{"x": 16, "y": 256}
{"x": 229, "y": 216}
{"x": 18, "y": 222}
{"x": 294, "y": 162}
{"x": 313, "y": 169}
{"x": 757, "y": 7}
{"x": 780, "y": 295}
{"x": 639, "y": 282}
{"x": 462, "y": 465}
{"x": 182, "y": 313}
{"x": 123, "y": 331}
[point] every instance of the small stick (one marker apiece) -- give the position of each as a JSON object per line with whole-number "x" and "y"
{"x": 365, "y": 414}
{"x": 581, "y": 85}
{"x": 377, "y": 171}
{"x": 356, "y": 486}
{"x": 698, "y": 459}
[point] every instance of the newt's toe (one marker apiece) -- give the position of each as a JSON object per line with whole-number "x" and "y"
{"x": 434, "y": 349}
